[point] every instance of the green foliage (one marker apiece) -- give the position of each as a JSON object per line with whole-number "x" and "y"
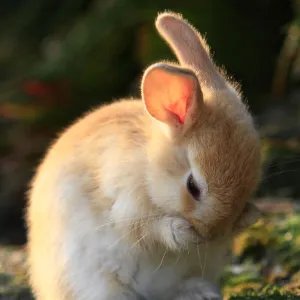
{"x": 102, "y": 49}
{"x": 281, "y": 164}
{"x": 267, "y": 260}
{"x": 275, "y": 296}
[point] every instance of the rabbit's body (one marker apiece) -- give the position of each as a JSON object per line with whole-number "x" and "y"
{"x": 140, "y": 198}
{"x": 75, "y": 245}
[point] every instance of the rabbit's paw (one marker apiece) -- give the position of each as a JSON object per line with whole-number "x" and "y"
{"x": 177, "y": 233}
{"x": 197, "y": 289}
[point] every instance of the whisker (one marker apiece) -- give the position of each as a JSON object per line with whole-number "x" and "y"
{"x": 205, "y": 256}
{"x": 279, "y": 173}
{"x": 199, "y": 258}
{"x": 160, "y": 262}
{"x": 124, "y": 220}
{"x": 284, "y": 162}
{"x": 121, "y": 238}
{"x": 137, "y": 242}
{"x": 178, "y": 257}
{"x": 135, "y": 227}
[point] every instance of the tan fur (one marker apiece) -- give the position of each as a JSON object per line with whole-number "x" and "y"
{"x": 230, "y": 160}
{"x": 178, "y": 33}
{"x": 129, "y": 160}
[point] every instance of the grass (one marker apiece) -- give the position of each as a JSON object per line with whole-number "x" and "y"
{"x": 266, "y": 260}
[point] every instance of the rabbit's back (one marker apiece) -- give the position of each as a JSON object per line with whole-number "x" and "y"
{"x": 74, "y": 189}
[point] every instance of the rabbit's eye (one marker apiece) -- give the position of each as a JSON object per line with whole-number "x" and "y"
{"x": 193, "y": 188}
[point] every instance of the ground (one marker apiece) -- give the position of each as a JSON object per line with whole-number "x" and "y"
{"x": 266, "y": 258}
{"x": 265, "y": 263}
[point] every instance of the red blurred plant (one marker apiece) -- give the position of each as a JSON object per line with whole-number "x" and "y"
{"x": 51, "y": 94}
{"x": 44, "y": 96}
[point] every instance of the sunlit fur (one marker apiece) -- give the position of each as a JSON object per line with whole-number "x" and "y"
{"x": 109, "y": 215}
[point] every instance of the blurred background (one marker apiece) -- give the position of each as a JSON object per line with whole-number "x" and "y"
{"x": 60, "y": 58}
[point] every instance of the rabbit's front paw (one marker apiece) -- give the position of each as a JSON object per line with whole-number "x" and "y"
{"x": 178, "y": 233}
{"x": 197, "y": 289}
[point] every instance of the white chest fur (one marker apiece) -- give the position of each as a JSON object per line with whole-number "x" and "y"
{"x": 150, "y": 274}
{"x": 86, "y": 260}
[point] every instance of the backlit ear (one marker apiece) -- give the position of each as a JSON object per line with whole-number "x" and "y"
{"x": 171, "y": 94}
{"x": 249, "y": 216}
{"x": 189, "y": 47}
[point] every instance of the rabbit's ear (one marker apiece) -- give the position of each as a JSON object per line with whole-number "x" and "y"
{"x": 190, "y": 48}
{"x": 171, "y": 94}
{"x": 249, "y": 216}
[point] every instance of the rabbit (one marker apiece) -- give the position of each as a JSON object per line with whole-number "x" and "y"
{"x": 141, "y": 198}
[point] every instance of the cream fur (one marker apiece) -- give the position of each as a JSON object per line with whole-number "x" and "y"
{"x": 109, "y": 215}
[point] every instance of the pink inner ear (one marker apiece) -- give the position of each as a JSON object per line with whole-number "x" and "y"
{"x": 179, "y": 108}
{"x": 168, "y": 93}
{"x": 178, "y": 96}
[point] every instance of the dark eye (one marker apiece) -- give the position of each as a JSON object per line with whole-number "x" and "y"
{"x": 193, "y": 188}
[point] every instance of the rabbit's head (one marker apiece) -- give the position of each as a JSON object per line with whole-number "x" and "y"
{"x": 204, "y": 155}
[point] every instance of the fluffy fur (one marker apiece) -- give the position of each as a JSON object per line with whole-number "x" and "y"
{"x": 110, "y": 215}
